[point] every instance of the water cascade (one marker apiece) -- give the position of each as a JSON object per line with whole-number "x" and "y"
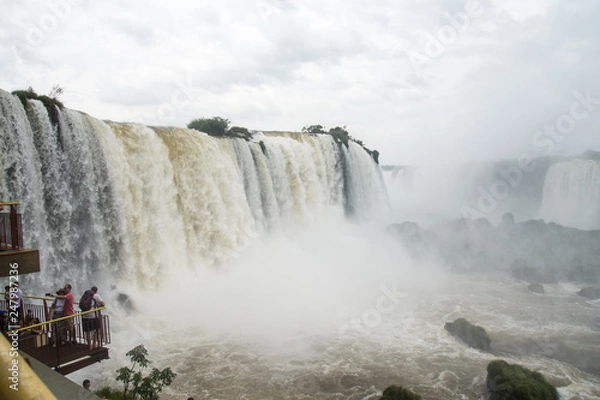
{"x": 105, "y": 198}
{"x": 572, "y": 194}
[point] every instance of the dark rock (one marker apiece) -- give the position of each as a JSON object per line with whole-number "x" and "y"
{"x": 473, "y": 335}
{"x": 508, "y": 382}
{"x": 536, "y": 288}
{"x": 399, "y": 393}
{"x": 125, "y": 301}
{"x": 592, "y": 293}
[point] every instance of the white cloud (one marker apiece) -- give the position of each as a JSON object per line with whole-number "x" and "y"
{"x": 487, "y": 83}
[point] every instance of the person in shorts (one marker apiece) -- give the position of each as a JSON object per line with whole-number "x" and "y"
{"x": 92, "y": 322}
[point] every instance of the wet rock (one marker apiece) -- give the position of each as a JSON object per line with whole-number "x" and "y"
{"x": 536, "y": 288}
{"x": 399, "y": 393}
{"x": 506, "y": 382}
{"x": 473, "y": 335}
{"x": 592, "y": 293}
{"x": 125, "y": 301}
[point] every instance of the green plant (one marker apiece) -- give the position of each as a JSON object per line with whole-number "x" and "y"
{"x": 313, "y": 129}
{"x": 143, "y": 387}
{"x": 215, "y": 126}
{"x": 340, "y": 135}
{"x": 108, "y": 393}
{"x": 52, "y": 104}
{"x": 239, "y": 132}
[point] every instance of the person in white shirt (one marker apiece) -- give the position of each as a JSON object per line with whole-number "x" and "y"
{"x": 92, "y": 322}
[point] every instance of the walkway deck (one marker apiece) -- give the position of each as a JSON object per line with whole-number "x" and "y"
{"x": 65, "y": 357}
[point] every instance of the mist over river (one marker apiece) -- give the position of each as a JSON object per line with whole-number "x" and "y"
{"x": 552, "y": 333}
{"x": 298, "y": 318}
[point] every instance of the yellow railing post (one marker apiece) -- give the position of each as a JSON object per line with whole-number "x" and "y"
{"x": 21, "y": 381}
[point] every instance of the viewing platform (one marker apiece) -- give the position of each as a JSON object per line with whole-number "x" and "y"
{"x": 54, "y": 343}
{"x": 12, "y": 250}
{"x": 60, "y": 343}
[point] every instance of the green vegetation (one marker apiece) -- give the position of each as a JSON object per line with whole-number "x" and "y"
{"x": 52, "y": 104}
{"x": 341, "y": 136}
{"x": 508, "y": 382}
{"x": 219, "y": 127}
{"x": 239, "y": 131}
{"x": 398, "y": 393}
{"x": 314, "y": 129}
{"x": 108, "y": 393}
{"x": 215, "y": 126}
{"x": 472, "y": 335}
{"x": 143, "y": 387}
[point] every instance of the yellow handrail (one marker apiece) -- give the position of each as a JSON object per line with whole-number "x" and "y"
{"x": 28, "y": 384}
{"x": 28, "y": 327}
{"x": 34, "y": 297}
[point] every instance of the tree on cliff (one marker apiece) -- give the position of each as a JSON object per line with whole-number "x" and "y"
{"x": 313, "y": 129}
{"x": 341, "y": 135}
{"x": 51, "y": 102}
{"x": 215, "y": 126}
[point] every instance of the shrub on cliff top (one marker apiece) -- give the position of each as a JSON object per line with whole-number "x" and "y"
{"x": 215, "y": 126}
{"x": 52, "y": 104}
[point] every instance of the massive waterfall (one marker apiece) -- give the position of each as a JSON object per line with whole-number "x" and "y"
{"x": 572, "y": 194}
{"x": 125, "y": 200}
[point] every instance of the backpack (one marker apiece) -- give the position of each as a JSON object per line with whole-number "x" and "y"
{"x": 86, "y": 301}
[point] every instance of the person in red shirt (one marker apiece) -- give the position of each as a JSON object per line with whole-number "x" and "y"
{"x": 69, "y": 309}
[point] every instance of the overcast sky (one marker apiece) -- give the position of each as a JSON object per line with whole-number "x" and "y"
{"x": 420, "y": 81}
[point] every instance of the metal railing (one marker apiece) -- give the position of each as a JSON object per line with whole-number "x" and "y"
{"x": 11, "y": 227}
{"x": 39, "y": 311}
{"x": 65, "y": 339}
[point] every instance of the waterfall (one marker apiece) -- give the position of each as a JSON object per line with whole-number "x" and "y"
{"x": 108, "y": 201}
{"x": 571, "y": 194}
